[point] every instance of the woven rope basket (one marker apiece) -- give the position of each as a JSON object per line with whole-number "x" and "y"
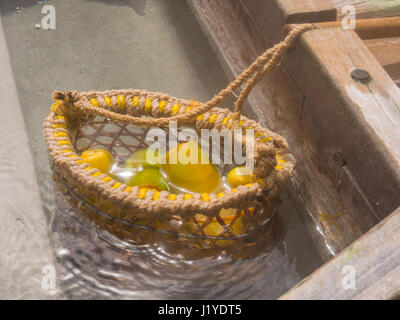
{"x": 119, "y": 120}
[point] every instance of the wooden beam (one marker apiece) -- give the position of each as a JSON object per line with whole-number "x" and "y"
{"x": 272, "y": 15}
{"x": 352, "y": 125}
{"x": 370, "y": 28}
{"x": 382, "y": 37}
{"x": 304, "y": 10}
{"x": 387, "y": 52}
{"x": 375, "y": 260}
{"x": 369, "y": 8}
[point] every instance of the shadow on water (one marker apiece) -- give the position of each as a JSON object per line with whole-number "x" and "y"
{"x": 138, "y": 5}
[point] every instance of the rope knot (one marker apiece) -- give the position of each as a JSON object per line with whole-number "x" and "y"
{"x": 66, "y": 96}
{"x": 64, "y": 102}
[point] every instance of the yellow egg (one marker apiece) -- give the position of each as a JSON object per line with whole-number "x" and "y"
{"x": 240, "y": 175}
{"x": 98, "y": 158}
{"x": 215, "y": 229}
{"x": 186, "y": 167}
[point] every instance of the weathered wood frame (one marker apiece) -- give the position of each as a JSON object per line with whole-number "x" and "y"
{"x": 373, "y": 260}
{"x": 344, "y": 134}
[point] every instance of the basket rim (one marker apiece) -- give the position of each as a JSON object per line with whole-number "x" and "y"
{"x": 136, "y": 102}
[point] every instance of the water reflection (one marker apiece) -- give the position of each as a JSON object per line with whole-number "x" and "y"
{"x": 95, "y": 264}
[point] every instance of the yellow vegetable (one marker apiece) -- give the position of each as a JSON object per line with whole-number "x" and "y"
{"x": 140, "y": 158}
{"x": 98, "y": 158}
{"x": 240, "y": 175}
{"x": 148, "y": 178}
{"x": 185, "y": 167}
{"x": 215, "y": 229}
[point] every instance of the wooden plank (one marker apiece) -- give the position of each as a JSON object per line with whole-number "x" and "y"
{"x": 387, "y": 52}
{"x": 278, "y": 104}
{"x": 296, "y": 11}
{"x": 375, "y": 260}
{"x": 272, "y": 15}
{"x": 369, "y": 8}
{"x": 363, "y": 119}
{"x": 370, "y": 28}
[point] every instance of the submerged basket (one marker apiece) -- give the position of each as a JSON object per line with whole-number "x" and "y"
{"x": 119, "y": 120}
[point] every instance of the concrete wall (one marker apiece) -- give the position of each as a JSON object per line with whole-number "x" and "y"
{"x": 24, "y": 243}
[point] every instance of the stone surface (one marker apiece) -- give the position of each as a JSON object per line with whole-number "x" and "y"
{"x": 24, "y": 243}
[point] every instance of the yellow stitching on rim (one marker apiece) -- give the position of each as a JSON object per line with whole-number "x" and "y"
{"x": 94, "y": 102}
{"x": 278, "y": 167}
{"x": 107, "y": 101}
{"x": 162, "y": 105}
{"x": 116, "y": 185}
{"x": 58, "y": 125}
{"x": 205, "y": 197}
{"x": 60, "y": 118}
{"x": 219, "y": 195}
{"x": 128, "y": 189}
{"x": 54, "y": 107}
{"x": 135, "y": 101}
{"x": 172, "y": 197}
{"x": 60, "y": 134}
{"x": 175, "y": 109}
{"x": 63, "y": 142}
{"x": 66, "y": 150}
{"x": 121, "y": 101}
{"x": 200, "y": 117}
{"x": 226, "y": 120}
{"x": 147, "y": 104}
{"x": 107, "y": 179}
{"x": 142, "y": 193}
{"x": 187, "y": 196}
{"x": 156, "y": 195}
{"x": 212, "y": 118}
{"x": 96, "y": 174}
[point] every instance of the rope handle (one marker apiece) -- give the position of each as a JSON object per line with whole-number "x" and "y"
{"x": 253, "y": 74}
